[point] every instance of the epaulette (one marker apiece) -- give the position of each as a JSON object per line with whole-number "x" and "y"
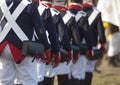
{"x": 79, "y": 15}
{"x": 83, "y": 13}
{"x": 95, "y": 9}
{"x": 42, "y": 8}
{"x": 54, "y": 11}
{"x": 67, "y": 16}
{"x": 93, "y": 15}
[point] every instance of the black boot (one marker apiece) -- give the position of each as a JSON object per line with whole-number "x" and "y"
{"x": 81, "y": 82}
{"x": 48, "y": 81}
{"x": 63, "y": 80}
{"x": 71, "y": 81}
{"x": 88, "y": 78}
{"x": 41, "y": 83}
{"x": 74, "y": 81}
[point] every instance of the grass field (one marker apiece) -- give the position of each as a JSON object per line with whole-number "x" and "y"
{"x": 108, "y": 76}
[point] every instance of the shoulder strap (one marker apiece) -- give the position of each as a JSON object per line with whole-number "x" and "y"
{"x": 79, "y": 15}
{"x": 54, "y": 11}
{"x": 20, "y": 8}
{"x": 11, "y": 18}
{"x": 93, "y": 16}
{"x": 67, "y": 16}
{"x": 42, "y": 8}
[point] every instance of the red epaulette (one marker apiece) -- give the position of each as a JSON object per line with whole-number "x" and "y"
{"x": 75, "y": 6}
{"x": 88, "y": 5}
{"x": 36, "y": 1}
{"x": 59, "y": 7}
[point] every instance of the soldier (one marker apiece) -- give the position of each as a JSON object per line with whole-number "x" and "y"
{"x": 78, "y": 69}
{"x": 19, "y": 19}
{"x": 73, "y": 32}
{"x": 66, "y": 54}
{"x": 50, "y": 28}
{"x": 53, "y": 40}
{"x": 95, "y": 24}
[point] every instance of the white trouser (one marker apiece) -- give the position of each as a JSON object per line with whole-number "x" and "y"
{"x": 50, "y": 71}
{"x": 25, "y": 72}
{"x": 78, "y": 69}
{"x": 16, "y": 81}
{"x": 90, "y": 65}
{"x": 41, "y": 66}
{"x": 61, "y": 69}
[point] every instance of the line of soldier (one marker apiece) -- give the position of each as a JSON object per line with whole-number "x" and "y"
{"x": 84, "y": 26}
{"x": 70, "y": 30}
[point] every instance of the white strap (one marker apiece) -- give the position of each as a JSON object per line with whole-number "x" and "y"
{"x": 0, "y": 28}
{"x": 20, "y": 8}
{"x": 8, "y": 8}
{"x": 48, "y": 36}
{"x": 93, "y": 16}
{"x": 79, "y": 15}
{"x": 12, "y": 24}
{"x": 4, "y": 16}
{"x": 35, "y": 35}
{"x": 67, "y": 16}
{"x": 83, "y": 41}
{"x": 1, "y": 2}
{"x": 42, "y": 8}
{"x": 54, "y": 11}
{"x": 10, "y": 5}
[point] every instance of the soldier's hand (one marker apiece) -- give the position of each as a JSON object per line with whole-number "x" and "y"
{"x": 89, "y": 54}
{"x": 75, "y": 58}
{"x": 56, "y": 60}
{"x": 69, "y": 56}
{"x": 103, "y": 48}
{"x": 47, "y": 57}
